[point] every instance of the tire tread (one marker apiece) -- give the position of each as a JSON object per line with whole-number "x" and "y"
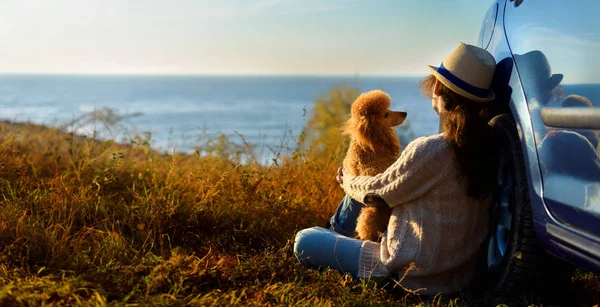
{"x": 527, "y": 272}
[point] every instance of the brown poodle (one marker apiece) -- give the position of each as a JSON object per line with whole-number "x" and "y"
{"x": 374, "y": 146}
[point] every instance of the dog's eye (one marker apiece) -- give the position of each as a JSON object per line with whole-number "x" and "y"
{"x": 386, "y": 115}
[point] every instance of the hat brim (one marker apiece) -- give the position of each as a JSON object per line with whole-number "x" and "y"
{"x": 554, "y": 81}
{"x": 458, "y": 90}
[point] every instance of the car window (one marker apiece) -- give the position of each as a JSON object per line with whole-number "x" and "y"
{"x": 556, "y": 48}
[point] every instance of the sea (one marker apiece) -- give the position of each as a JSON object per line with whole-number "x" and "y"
{"x": 180, "y": 111}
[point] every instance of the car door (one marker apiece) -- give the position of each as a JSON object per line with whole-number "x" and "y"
{"x": 556, "y": 51}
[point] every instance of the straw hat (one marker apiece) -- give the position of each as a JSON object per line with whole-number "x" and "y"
{"x": 468, "y": 71}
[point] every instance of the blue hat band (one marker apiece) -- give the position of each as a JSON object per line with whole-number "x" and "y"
{"x": 473, "y": 90}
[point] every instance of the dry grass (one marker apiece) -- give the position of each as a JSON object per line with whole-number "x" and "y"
{"x": 102, "y": 221}
{"x": 92, "y": 222}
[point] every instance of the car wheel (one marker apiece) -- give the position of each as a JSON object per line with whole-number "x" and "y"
{"x": 513, "y": 250}
{"x": 514, "y": 260}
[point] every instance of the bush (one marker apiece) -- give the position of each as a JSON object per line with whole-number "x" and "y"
{"x": 321, "y": 137}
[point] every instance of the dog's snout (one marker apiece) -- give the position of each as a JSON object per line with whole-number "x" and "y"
{"x": 397, "y": 117}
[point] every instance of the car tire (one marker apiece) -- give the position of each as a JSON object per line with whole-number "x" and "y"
{"x": 514, "y": 261}
{"x": 513, "y": 250}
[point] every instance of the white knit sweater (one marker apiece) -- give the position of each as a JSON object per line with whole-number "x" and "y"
{"x": 434, "y": 224}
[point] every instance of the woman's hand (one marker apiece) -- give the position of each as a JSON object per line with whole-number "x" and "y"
{"x": 340, "y": 175}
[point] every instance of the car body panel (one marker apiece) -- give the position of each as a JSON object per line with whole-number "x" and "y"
{"x": 562, "y": 169}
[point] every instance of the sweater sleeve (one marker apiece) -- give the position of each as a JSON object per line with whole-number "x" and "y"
{"x": 414, "y": 174}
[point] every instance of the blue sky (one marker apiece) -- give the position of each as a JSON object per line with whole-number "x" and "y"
{"x": 327, "y": 37}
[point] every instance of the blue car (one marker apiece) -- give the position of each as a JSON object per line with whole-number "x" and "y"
{"x": 547, "y": 200}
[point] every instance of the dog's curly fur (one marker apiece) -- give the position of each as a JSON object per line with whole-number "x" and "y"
{"x": 374, "y": 146}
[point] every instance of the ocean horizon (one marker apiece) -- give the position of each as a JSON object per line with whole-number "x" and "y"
{"x": 178, "y": 110}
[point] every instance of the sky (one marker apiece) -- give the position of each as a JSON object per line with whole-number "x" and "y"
{"x": 234, "y": 37}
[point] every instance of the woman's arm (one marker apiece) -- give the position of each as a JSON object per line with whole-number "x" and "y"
{"x": 418, "y": 169}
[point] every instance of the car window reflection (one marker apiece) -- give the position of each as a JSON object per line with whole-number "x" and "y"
{"x": 557, "y": 64}
{"x": 569, "y": 158}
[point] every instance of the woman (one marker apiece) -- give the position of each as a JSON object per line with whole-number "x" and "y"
{"x": 439, "y": 189}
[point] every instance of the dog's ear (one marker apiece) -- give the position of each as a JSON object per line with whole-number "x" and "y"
{"x": 361, "y": 130}
{"x": 369, "y": 132}
{"x": 364, "y": 132}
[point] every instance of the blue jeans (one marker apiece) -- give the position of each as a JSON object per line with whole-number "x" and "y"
{"x": 333, "y": 248}
{"x": 344, "y": 219}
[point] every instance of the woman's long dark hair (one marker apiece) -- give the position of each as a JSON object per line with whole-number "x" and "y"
{"x": 469, "y": 137}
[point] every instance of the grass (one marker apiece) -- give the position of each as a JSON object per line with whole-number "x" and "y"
{"x": 91, "y": 222}
{"x": 96, "y": 222}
